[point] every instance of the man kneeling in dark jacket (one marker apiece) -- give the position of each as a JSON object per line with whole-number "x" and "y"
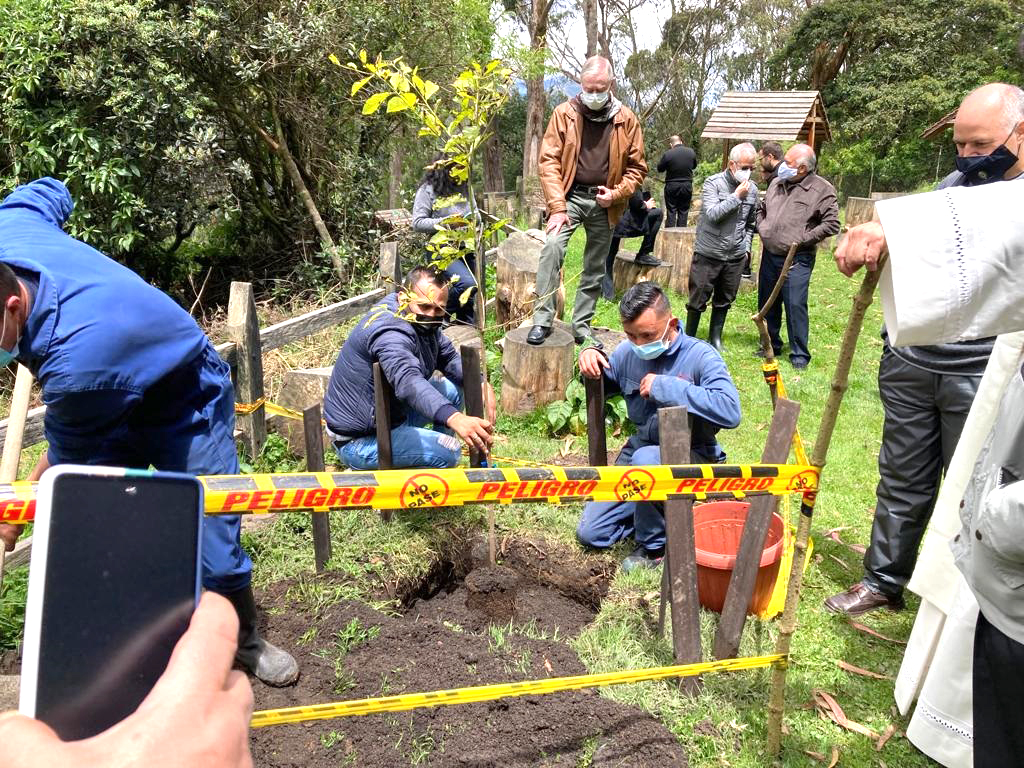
{"x": 403, "y": 334}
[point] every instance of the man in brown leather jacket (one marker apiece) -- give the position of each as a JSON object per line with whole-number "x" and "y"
{"x": 591, "y": 161}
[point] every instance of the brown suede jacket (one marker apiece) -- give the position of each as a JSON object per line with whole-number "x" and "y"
{"x": 561, "y": 147}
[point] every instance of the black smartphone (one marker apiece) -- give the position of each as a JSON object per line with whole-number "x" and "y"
{"x": 113, "y": 582}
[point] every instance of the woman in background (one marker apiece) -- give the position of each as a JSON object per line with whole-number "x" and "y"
{"x": 437, "y": 185}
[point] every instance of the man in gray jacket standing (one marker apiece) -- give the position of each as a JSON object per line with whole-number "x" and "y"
{"x": 724, "y": 231}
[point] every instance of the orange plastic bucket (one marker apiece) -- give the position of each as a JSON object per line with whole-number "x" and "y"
{"x": 718, "y": 526}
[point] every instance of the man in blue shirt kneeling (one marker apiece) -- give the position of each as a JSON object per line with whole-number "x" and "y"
{"x": 660, "y": 366}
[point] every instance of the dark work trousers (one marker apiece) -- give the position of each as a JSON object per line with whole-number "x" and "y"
{"x": 627, "y": 227}
{"x": 713, "y": 279}
{"x": 998, "y": 705}
{"x": 677, "y": 202}
{"x": 924, "y": 415}
{"x": 460, "y": 308}
{"x": 792, "y": 298}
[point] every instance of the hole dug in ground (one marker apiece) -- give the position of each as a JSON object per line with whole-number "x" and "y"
{"x": 479, "y": 625}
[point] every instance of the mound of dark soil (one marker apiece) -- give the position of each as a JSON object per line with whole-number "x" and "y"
{"x": 457, "y": 636}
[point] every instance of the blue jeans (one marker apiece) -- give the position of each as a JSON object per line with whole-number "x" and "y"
{"x": 413, "y": 443}
{"x": 606, "y": 522}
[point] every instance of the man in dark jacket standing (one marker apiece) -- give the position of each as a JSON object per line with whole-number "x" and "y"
{"x": 724, "y": 232}
{"x": 403, "y": 334}
{"x": 799, "y": 207}
{"x": 641, "y": 219}
{"x": 678, "y": 164}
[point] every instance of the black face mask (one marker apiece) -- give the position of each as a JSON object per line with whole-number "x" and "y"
{"x": 984, "y": 169}
{"x": 425, "y": 325}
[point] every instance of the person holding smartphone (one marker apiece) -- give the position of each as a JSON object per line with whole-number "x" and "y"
{"x": 128, "y": 379}
{"x": 197, "y": 714}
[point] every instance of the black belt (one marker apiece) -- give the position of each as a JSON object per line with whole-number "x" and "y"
{"x": 585, "y": 190}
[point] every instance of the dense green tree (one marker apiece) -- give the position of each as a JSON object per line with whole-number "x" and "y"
{"x": 888, "y": 70}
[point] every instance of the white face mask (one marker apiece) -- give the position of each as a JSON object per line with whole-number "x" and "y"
{"x": 594, "y": 101}
{"x": 741, "y": 175}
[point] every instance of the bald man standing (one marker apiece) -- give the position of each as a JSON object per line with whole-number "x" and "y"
{"x": 591, "y": 162}
{"x": 927, "y": 391}
{"x": 798, "y": 207}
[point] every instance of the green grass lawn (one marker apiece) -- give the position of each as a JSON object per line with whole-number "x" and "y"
{"x": 725, "y": 725}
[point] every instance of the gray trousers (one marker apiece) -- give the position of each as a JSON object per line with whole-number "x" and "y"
{"x": 581, "y": 209}
{"x": 924, "y": 415}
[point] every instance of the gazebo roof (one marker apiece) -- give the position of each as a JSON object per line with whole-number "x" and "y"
{"x": 769, "y": 115}
{"x": 938, "y": 129}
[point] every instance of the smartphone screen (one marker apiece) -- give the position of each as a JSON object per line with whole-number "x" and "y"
{"x": 111, "y": 596}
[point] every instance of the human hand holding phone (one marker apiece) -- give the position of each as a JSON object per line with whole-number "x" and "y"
{"x": 197, "y": 714}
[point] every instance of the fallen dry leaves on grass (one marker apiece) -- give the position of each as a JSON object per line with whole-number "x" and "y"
{"x": 874, "y": 633}
{"x": 861, "y": 671}
{"x": 834, "y": 535}
{"x": 889, "y": 732}
{"x": 828, "y": 707}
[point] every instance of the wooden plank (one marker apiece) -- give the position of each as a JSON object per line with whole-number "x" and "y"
{"x": 295, "y": 328}
{"x": 382, "y": 412}
{"x": 390, "y": 269}
{"x": 597, "y": 435}
{"x": 244, "y": 329}
{"x": 313, "y": 433}
{"x": 473, "y": 393}
{"x": 21, "y": 554}
{"x": 755, "y": 531}
{"x": 674, "y": 428}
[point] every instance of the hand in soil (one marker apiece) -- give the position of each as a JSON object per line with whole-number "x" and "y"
{"x": 197, "y": 714}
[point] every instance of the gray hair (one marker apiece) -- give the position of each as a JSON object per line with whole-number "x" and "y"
{"x": 746, "y": 148}
{"x": 597, "y": 65}
{"x": 1013, "y": 106}
{"x": 807, "y": 156}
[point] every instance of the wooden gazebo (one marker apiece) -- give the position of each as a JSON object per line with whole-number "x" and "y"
{"x": 768, "y": 116}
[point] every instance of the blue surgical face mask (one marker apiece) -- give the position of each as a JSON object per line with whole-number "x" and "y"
{"x": 784, "y": 171}
{"x": 594, "y": 101}
{"x": 6, "y": 358}
{"x": 653, "y": 349}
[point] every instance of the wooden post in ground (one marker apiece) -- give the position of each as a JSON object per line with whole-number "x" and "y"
{"x": 840, "y": 381}
{"x": 680, "y": 548}
{"x": 597, "y": 436}
{"x": 244, "y": 330}
{"x": 390, "y": 269}
{"x": 313, "y": 433}
{"x": 382, "y": 411}
{"x": 11, "y": 458}
{"x": 473, "y": 393}
{"x": 755, "y": 531}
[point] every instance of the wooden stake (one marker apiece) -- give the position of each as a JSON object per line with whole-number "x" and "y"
{"x": 382, "y": 403}
{"x": 755, "y": 531}
{"x": 759, "y": 316}
{"x": 840, "y": 381}
{"x": 313, "y": 434}
{"x": 244, "y": 329}
{"x": 11, "y": 458}
{"x": 674, "y": 428}
{"x": 597, "y": 435}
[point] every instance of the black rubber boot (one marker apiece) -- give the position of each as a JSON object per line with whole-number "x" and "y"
{"x": 267, "y": 662}
{"x": 717, "y": 324}
{"x": 692, "y": 322}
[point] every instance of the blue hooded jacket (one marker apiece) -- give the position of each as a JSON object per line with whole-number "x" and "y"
{"x": 97, "y": 335}
{"x": 407, "y": 358}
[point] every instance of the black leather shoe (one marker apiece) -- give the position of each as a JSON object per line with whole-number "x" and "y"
{"x": 647, "y": 260}
{"x": 860, "y": 598}
{"x": 537, "y": 335}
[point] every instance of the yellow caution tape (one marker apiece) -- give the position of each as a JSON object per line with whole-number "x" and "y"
{"x": 416, "y": 488}
{"x": 244, "y": 409}
{"x": 501, "y": 690}
{"x": 772, "y": 376}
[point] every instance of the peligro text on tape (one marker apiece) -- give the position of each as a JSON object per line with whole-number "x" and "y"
{"x": 411, "y": 489}
{"x": 501, "y": 690}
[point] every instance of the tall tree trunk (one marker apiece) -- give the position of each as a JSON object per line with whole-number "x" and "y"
{"x": 395, "y": 179}
{"x": 590, "y": 19}
{"x": 494, "y": 172}
{"x": 535, "y": 96}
